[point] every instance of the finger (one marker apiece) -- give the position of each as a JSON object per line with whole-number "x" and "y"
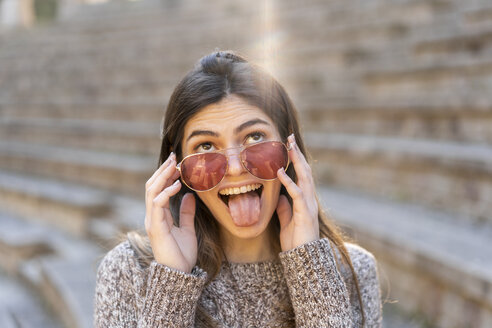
{"x": 162, "y": 200}
{"x": 187, "y": 213}
{"x": 284, "y": 211}
{"x": 173, "y": 178}
{"x": 161, "y": 203}
{"x": 152, "y": 193}
{"x": 301, "y": 166}
{"x": 163, "y": 180}
{"x": 172, "y": 157}
{"x": 294, "y": 191}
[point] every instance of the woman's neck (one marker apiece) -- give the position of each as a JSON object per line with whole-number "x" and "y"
{"x": 257, "y": 249}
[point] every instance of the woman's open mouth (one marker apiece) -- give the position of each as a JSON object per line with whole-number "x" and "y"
{"x": 243, "y": 203}
{"x": 226, "y": 193}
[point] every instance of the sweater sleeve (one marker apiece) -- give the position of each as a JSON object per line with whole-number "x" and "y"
{"x": 365, "y": 267}
{"x": 170, "y": 299}
{"x": 318, "y": 292}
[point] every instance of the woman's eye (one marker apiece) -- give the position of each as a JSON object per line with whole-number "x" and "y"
{"x": 255, "y": 137}
{"x": 206, "y": 146}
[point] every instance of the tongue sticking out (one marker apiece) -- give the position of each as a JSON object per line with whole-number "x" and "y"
{"x": 245, "y": 208}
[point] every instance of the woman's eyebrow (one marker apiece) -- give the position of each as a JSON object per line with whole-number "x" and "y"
{"x": 236, "y": 130}
{"x": 202, "y": 133}
{"x": 249, "y": 123}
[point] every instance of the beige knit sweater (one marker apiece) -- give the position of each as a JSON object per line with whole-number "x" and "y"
{"x": 301, "y": 288}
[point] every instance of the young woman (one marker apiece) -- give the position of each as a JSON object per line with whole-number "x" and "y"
{"x": 234, "y": 236}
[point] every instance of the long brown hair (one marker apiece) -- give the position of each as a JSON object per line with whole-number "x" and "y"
{"x": 214, "y": 77}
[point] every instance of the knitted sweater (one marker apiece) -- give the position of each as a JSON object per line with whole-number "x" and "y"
{"x": 303, "y": 287}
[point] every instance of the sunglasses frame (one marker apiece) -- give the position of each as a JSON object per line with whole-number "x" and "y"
{"x": 221, "y": 151}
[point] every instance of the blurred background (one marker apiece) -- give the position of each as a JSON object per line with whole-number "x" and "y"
{"x": 396, "y": 107}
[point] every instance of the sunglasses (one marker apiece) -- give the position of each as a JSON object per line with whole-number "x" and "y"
{"x": 204, "y": 171}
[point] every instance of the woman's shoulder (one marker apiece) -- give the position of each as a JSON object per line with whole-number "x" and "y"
{"x": 360, "y": 257}
{"x": 122, "y": 251}
{"x": 364, "y": 263}
{"x": 120, "y": 259}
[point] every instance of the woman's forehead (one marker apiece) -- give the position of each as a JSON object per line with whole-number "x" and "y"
{"x": 229, "y": 112}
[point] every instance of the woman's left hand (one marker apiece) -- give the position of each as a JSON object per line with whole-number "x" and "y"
{"x": 298, "y": 223}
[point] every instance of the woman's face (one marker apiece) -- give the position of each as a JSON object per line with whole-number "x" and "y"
{"x": 227, "y": 124}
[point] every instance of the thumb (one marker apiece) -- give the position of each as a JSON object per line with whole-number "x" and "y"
{"x": 284, "y": 211}
{"x": 187, "y": 212}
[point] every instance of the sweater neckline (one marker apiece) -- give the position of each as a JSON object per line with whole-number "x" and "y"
{"x": 263, "y": 270}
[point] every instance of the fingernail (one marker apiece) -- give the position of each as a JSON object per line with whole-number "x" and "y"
{"x": 176, "y": 182}
{"x": 292, "y": 140}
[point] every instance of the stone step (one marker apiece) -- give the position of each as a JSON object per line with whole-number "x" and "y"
{"x": 150, "y": 31}
{"x": 392, "y": 53}
{"x": 381, "y": 42}
{"x": 152, "y": 42}
{"x": 464, "y": 125}
{"x": 112, "y": 171}
{"x": 118, "y": 65}
{"x": 113, "y": 14}
{"x": 432, "y": 263}
{"x": 56, "y": 109}
{"x": 153, "y": 94}
{"x": 19, "y": 307}
{"x": 25, "y": 242}
{"x": 316, "y": 88}
{"x": 380, "y": 82}
{"x": 21, "y": 241}
{"x": 65, "y": 281}
{"x": 395, "y": 317}
{"x": 111, "y": 71}
{"x": 363, "y": 27}
{"x": 127, "y": 214}
{"x": 181, "y": 15}
{"x": 115, "y": 135}
{"x": 80, "y": 24}
{"x": 322, "y": 12}
{"x": 103, "y": 69}
{"x": 421, "y": 45}
{"x": 68, "y": 286}
{"x": 65, "y": 278}
{"x": 360, "y": 22}
{"x": 182, "y": 34}
{"x": 399, "y": 63}
{"x": 453, "y": 177}
{"x": 6, "y": 319}
{"x": 365, "y": 102}
{"x": 174, "y": 32}
{"x": 479, "y": 14}
{"x": 471, "y": 42}
{"x": 427, "y": 81}
{"x": 115, "y": 71}
{"x": 134, "y": 51}
{"x": 131, "y": 91}
{"x": 52, "y": 202}
{"x": 444, "y": 67}
{"x": 316, "y": 12}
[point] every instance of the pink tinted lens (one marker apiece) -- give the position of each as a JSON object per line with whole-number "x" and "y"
{"x": 264, "y": 159}
{"x": 203, "y": 171}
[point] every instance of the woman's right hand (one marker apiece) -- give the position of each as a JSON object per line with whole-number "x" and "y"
{"x": 175, "y": 247}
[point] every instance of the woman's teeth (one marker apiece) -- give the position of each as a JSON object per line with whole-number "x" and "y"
{"x": 239, "y": 190}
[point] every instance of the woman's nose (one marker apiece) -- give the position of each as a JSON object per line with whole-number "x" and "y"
{"x": 235, "y": 167}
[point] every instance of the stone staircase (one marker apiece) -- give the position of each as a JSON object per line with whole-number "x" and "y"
{"x": 393, "y": 98}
